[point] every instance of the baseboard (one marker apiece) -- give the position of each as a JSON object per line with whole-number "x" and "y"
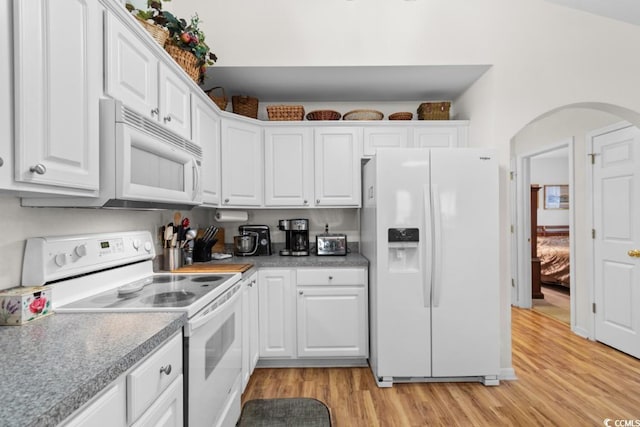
{"x": 507, "y": 374}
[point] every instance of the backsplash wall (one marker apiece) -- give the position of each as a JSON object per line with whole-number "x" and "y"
{"x": 21, "y": 223}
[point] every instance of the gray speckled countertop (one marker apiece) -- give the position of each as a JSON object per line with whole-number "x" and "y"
{"x": 277, "y": 261}
{"x": 52, "y": 366}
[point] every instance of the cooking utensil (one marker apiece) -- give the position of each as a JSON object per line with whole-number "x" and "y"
{"x": 189, "y": 235}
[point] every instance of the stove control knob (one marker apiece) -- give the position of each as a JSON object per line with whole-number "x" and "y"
{"x": 81, "y": 250}
{"x": 136, "y": 244}
{"x": 61, "y": 259}
{"x": 147, "y": 246}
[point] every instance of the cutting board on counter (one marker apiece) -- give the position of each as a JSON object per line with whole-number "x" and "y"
{"x": 214, "y": 268}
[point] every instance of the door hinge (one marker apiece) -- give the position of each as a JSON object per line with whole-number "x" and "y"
{"x": 513, "y": 229}
{"x": 593, "y": 307}
{"x": 593, "y": 233}
{"x": 512, "y": 175}
{"x": 513, "y": 282}
{"x": 593, "y": 157}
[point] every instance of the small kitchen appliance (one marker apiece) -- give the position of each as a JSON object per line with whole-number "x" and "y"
{"x": 331, "y": 243}
{"x": 113, "y": 272}
{"x": 263, "y": 241}
{"x": 297, "y": 236}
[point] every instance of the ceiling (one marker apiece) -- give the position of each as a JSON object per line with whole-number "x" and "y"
{"x": 346, "y": 84}
{"x": 622, "y": 10}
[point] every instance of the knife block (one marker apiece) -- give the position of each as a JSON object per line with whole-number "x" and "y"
{"x": 202, "y": 250}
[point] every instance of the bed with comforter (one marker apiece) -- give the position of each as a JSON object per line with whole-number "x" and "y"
{"x": 553, "y": 252}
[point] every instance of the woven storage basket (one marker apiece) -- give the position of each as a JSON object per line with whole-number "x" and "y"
{"x": 363, "y": 115}
{"x": 324, "y": 115}
{"x": 186, "y": 60}
{"x": 220, "y": 101}
{"x": 402, "y": 115}
{"x": 434, "y": 111}
{"x": 245, "y": 105}
{"x": 159, "y": 34}
{"x": 285, "y": 112}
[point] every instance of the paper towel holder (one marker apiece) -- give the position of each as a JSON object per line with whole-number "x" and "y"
{"x": 231, "y": 216}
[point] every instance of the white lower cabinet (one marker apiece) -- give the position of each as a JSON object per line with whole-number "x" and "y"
{"x": 324, "y": 315}
{"x": 250, "y": 331}
{"x": 149, "y": 394}
{"x": 277, "y": 313}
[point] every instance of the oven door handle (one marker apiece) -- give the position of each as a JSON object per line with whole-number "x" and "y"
{"x": 203, "y": 319}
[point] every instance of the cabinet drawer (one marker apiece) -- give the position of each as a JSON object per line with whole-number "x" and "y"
{"x": 331, "y": 276}
{"x": 146, "y": 382}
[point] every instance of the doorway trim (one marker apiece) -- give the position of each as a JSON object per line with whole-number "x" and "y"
{"x": 522, "y": 223}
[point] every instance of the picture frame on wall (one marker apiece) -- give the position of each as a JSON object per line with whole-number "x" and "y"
{"x": 556, "y": 197}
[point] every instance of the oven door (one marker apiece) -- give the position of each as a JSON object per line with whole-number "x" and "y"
{"x": 151, "y": 167}
{"x": 214, "y": 348}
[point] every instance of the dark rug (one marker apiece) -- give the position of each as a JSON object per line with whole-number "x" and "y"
{"x": 292, "y": 412}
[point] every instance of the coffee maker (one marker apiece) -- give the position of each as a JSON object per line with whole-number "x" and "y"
{"x": 297, "y": 236}
{"x": 262, "y": 241}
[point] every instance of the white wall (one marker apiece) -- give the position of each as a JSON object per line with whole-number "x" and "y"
{"x": 550, "y": 171}
{"x": 544, "y": 57}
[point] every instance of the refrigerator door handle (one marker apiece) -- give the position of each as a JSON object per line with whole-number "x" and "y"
{"x": 437, "y": 245}
{"x": 428, "y": 245}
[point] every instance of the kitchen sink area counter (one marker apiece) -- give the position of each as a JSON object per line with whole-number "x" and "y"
{"x": 52, "y": 366}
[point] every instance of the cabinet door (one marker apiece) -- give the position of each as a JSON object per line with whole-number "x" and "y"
{"x": 288, "y": 167}
{"x": 58, "y": 82}
{"x": 332, "y": 321}
{"x": 337, "y": 166}
{"x": 108, "y": 409}
{"x": 440, "y": 136}
{"x": 277, "y": 313}
{"x": 131, "y": 69}
{"x": 206, "y": 133}
{"x": 384, "y": 136}
{"x": 174, "y": 101}
{"x": 250, "y": 333}
{"x": 167, "y": 410}
{"x": 243, "y": 163}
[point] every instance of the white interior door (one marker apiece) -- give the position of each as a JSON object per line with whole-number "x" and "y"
{"x": 616, "y": 210}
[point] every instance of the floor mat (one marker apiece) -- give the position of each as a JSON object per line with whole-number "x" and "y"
{"x": 290, "y": 412}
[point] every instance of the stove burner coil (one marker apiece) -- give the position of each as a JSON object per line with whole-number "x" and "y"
{"x": 169, "y": 299}
{"x": 168, "y": 278}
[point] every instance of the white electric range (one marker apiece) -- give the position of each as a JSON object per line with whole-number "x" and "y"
{"x": 113, "y": 272}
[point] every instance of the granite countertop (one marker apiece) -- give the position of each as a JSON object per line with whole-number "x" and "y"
{"x": 277, "y": 261}
{"x": 52, "y": 366}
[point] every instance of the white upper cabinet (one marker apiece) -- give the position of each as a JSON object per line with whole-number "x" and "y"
{"x": 242, "y": 165}
{"x": 441, "y": 134}
{"x": 57, "y": 81}
{"x": 136, "y": 76}
{"x": 337, "y": 166}
{"x": 288, "y": 166}
{"x": 206, "y": 133}
{"x": 384, "y": 136}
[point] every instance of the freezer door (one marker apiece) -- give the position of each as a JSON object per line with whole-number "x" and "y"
{"x": 400, "y": 321}
{"x": 465, "y": 299}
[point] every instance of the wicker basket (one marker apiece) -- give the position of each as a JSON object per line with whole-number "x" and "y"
{"x": 402, "y": 115}
{"x": 285, "y": 112}
{"x": 159, "y": 34}
{"x": 363, "y": 115}
{"x": 220, "y": 101}
{"x": 324, "y": 115}
{"x": 185, "y": 59}
{"x": 245, "y": 105}
{"x": 434, "y": 111}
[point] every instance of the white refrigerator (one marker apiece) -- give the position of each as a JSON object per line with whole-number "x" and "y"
{"x": 429, "y": 227}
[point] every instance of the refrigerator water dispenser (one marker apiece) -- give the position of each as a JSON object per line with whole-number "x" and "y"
{"x": 403, "y": 249}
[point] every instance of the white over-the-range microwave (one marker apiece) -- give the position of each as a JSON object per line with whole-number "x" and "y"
{"x": 143, "y": 165}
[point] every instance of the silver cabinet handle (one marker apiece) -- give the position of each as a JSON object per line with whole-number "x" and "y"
{"x": 167, "y": 119}
{"x": 317, "y": 201}
{"x": 1, "y": 161}
{"x": 40, "y": 169}
{"x": 330, "y": 277}
{"x": 226, "y": 200}
{"x": 155, "y": 111}
{"x": 301, "y": 293}
{"x": 166, "y": 369}
{"x": 306, "y": 202}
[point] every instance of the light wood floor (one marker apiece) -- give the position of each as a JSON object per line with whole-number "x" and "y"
{"x": 563, "y": 380}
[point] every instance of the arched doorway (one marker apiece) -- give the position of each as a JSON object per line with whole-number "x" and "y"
{"x": 545, "y": 133}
